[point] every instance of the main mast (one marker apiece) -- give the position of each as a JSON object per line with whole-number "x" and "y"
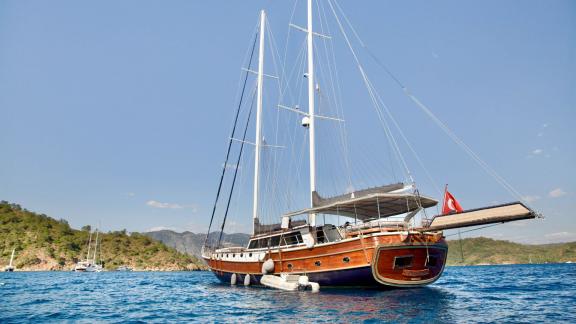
{"x": 312, "y": 139}
{"x": 96, "y": 246}
{"x": 89, "y": 243}
{"x": 12, "y": 257}
{"x": 258, "y": 140}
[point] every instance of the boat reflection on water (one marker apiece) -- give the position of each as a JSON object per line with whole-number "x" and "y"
{"x": 421, "y": 304}
{"x": 426, "y": 304}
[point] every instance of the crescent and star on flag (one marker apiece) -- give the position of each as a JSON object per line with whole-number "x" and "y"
{"x": 451, "y": 205}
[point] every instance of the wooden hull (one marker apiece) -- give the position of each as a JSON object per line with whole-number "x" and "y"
{"x": 377, "y": 260}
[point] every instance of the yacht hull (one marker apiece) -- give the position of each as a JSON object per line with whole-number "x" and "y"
{"x": 412, "y": 260}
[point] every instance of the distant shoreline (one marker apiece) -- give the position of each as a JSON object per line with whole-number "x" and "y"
{"x": 507, "y": 264}
{"x": 200, "y": 270}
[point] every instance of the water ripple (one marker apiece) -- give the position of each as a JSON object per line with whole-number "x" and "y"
{"x": 519, "y": 293}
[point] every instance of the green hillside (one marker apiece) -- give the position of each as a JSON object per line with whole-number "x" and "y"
{"x": 43, "y": 243}
{"x": 483, "y": 250}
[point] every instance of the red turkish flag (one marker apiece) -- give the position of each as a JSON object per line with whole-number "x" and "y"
{"x": 451, "y": 205}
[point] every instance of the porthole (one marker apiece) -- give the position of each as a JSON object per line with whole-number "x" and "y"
{"x": 346, "y": 259}
{"x": 241, "y": 254}
{"x": 233, "y": 255}
{"x": 318, "y": 263}
{"x": 289, "y": 266}
{"x": 227, "y": 255}
{"x": 250, "y": 255}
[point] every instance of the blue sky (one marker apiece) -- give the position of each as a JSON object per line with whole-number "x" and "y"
{"x": 118, "y": 111}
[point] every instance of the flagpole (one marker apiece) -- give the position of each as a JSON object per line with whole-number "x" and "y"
{"x": 459, "y": 233}
{"x": 444, "y": 197}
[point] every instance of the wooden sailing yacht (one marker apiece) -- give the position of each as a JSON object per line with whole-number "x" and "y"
{"x": 372, "y": 251}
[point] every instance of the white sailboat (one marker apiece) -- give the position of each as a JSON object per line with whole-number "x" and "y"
{"x": 10, "y": 267}
{"x": 90, "y": 264}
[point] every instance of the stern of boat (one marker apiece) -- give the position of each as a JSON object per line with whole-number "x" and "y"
{"x": 409, "y": 265}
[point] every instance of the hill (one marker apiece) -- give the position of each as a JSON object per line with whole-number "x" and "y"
{"x": 43, "y": 243}
{"x": 191, "y": 243}
{"x": 475, "y": 250}
{"x": 483, "y": 250}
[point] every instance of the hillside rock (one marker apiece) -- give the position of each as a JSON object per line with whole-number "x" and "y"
{"x": 191, "y": 243}
{"x": 43, "y": 243}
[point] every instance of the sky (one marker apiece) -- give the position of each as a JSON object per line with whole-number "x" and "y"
{"x": 119, "y": 112}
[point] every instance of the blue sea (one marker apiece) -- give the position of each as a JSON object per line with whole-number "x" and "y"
{"x": 482, "y": 294}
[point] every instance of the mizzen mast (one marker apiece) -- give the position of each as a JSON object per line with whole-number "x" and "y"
{"x": 311, "y": 130}
{"x": 258, "y": 140}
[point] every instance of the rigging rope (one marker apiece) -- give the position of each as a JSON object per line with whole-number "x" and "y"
{"x": 224, "y": 167}
{"x": 236, "y": 171}
{"x": 475, "y": 229}
{"x": 373, "y": 97}
{"x": 499, "y": 179}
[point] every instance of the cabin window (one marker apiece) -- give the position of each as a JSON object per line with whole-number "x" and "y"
{"x": 233, "y": 255}
{"x": 320, "y": 237}
{"x": 346, "y": 259}
{"x": 318, "y": 263}
{"x": 331, "y": 233}
{"x": 289, "y": 266}
{"x": 250, "y": 255}
{"x": 275, "y": 240}
{"x": 292, "y": 238}
{"x": 432, "y": 261}
{"x": 401, "y": 262}
{"x": 241, "y": 254}
{"x": 265, "y": 242}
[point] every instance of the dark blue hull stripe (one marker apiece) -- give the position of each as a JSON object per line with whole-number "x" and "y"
{"x": 347, "y": 277}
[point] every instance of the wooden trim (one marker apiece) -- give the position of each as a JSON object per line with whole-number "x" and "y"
{"x": 360, "y": 250}
{"x": 364, "y": 247}
{"x": 405, "y": 283}
{"x": 323, "y": 255}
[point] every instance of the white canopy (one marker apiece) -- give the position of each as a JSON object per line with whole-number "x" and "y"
{"x": 370, "y": 203}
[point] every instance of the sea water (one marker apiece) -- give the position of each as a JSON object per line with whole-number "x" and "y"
{"x": 508, "y": 293}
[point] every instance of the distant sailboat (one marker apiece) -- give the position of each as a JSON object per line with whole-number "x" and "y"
{"x": 90, "y": 264}
{"x": 10, "y": 267}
